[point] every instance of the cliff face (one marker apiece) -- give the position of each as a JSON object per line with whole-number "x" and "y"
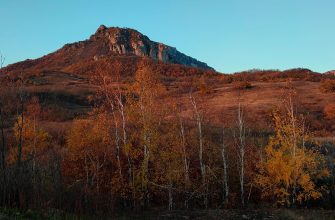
{"x": 125, "y": 41}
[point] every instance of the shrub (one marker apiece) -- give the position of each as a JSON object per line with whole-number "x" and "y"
{"x": 327, "y": 85}
{"x": 329, "y": 111}
{"x": 205, "y": 88}
{"x": 242, "y": 85}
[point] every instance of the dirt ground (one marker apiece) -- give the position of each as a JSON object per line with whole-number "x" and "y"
{"x": 276, "y": 214}
{"x": 227, "y": 214}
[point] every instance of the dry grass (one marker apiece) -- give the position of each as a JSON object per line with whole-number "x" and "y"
{"x": 328, "y": 86}
{"x": 242, "y": 85}
{"x": 70, "y": 92}
{"x": 329, "y": 111}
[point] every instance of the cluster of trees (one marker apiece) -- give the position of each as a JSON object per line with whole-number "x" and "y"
{"x": 277, "y": 75}
{"x": 135, "y": 150}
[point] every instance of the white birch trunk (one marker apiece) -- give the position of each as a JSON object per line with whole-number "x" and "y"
{"x": 202, "y": 165}
{"x": 225, "y": 170}
{"x": 241, "y": 150}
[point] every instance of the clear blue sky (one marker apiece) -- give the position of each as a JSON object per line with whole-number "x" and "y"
{"x": 229, "y": 35}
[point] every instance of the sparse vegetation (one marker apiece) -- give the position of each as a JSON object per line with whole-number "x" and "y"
{"x": 242, "y": 85}
{"x": 329, "y": 111}
{"x": 328, "y": 86}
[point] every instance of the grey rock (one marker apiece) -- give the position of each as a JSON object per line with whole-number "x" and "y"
{"x": 126, "y": 41}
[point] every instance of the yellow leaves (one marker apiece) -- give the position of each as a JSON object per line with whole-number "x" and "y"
{"x": 127, "y": 148}
{"x": 89, "y": 148}
{"x": 147, "y": 86}
{"x": 289, "y": 168}
{"x": 324, "y": 172}
{"x": 87, "y": 136}
{"x": 282, "y": 195}
{"x": 35, "y": 141}
{"x": 309, "y": 192}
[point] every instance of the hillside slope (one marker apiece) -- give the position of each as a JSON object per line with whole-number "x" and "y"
{"x": 63, "y": 80}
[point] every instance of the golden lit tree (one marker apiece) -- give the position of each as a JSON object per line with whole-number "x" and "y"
{"x": 290, "y": 167}
{"x": 88, "y": 150}
{"x": 147, "y": 115}
{"x": 35, "y": 140}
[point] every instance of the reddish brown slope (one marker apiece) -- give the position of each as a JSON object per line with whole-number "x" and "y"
{"x": 62, "y": 78}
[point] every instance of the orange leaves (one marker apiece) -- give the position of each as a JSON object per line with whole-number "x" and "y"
{"x": 35, "y": 141}
{"x": 89, "y": 160}
{"x": 327, "y": 86}
{"x": 329, "y": 111}
{"x": 290, "y": 168}
{"x": 87, "y": 136}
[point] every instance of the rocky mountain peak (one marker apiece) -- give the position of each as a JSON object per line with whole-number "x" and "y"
{"x": 101, "y": 28}
{"x": 106, "y": 43}
{"x": 126, "y": 41}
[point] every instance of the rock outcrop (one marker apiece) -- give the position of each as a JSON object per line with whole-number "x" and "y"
{"x": 126, "y": 41}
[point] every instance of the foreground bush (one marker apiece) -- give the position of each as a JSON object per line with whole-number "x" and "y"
{"x": 290, "y": 170}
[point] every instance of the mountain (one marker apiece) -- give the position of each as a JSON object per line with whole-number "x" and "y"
{"x": 107, "y": 44}
{"x": 63, "y": 80}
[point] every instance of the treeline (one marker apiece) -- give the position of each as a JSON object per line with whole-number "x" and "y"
{"x": 277, "y": 75}
{"x": 137, "y": 151}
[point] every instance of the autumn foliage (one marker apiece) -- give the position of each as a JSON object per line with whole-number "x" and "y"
{"x": 329, "y": 111}
{"x": 328, "y": 86}
{"x": 291, "y": 166}
{"x": 134, "y": 151}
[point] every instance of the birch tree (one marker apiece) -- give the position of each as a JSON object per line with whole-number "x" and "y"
{"x": 108, "y": 92}
{"x": 20, "y": 120}
{"x": 240, "y": 145}
{"x": 225, "y": 168}
{"x": 114, "y": 99}
{"x": 147, "y": 89}
{"x": 289, "y": 170}
{"x": 88, "y": 156}
{"x": 198, "y": 117}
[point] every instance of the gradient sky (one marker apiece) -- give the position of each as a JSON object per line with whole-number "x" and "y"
{"x": 229, "y": 35}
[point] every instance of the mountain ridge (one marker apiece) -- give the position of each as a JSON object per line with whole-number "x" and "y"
{"x": 107, "y": 43}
